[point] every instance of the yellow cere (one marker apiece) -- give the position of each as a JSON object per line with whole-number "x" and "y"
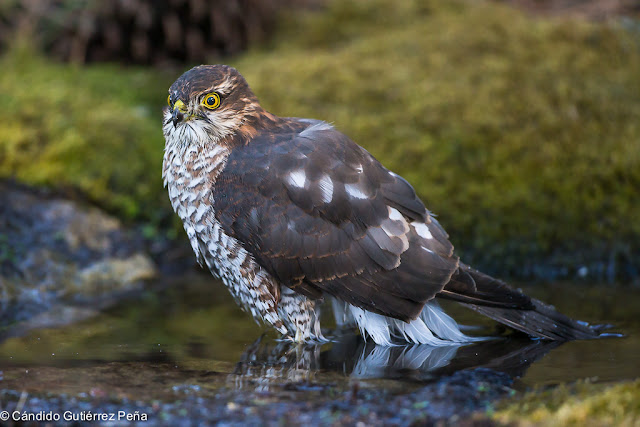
{"x": 211, "y": 101}
{"x": 180, "y": 106}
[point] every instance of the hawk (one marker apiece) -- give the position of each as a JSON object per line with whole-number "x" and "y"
{"x": 291, "y": 214}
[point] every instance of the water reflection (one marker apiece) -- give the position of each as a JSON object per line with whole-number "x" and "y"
{"x": 267, "y": 362}
{"x": 179, "y": 337}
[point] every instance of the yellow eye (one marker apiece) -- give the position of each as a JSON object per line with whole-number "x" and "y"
{"x": 211, "y": 101}
{"x": 169, "y": 100}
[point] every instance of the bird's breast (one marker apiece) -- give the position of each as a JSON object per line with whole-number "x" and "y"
{"x": 190, "y": 177}
{"x": 190, "y": 174}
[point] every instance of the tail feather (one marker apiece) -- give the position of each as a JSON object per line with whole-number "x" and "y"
{"x": 543, "y": 321}
{"x": 495, "y": 299}
{"x": 473, "y": 287}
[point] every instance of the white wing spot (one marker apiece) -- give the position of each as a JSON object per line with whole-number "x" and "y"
{"x": 422, "y": 230}
{"x": 326, "y": 187}
{"x": 396, "y": 227}
{"x": 395, "y": 215}
{"x": 297, "y": 178}
{"x": 354, "y": 191}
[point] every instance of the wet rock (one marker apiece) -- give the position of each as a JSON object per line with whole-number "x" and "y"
{"x": 447, "y": 400}
{"x": 58, "y": 252}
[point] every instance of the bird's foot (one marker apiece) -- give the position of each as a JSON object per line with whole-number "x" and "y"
{"x": 300, "y": 338}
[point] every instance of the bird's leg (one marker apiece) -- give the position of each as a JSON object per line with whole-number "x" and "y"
{"x": 300, "y": 316}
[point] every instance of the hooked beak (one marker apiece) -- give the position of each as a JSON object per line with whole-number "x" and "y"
{"x": 179, "y": 110}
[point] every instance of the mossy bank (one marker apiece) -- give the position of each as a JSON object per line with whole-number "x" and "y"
{"x": 581, "y": 404}
{"x": 522, "y": 133}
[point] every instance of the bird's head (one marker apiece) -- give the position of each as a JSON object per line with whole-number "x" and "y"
{"x": 207, "y": 104}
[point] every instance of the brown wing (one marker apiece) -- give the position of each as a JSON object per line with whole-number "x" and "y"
{"x": 322, "y": 215}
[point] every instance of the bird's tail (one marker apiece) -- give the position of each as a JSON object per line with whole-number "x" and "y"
{"x": 495, "y": 299}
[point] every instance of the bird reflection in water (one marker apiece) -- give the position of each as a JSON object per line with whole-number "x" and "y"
{"x": 266, "y": 363}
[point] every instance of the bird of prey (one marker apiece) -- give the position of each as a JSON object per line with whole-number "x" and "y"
{"x": 291, "y": 214}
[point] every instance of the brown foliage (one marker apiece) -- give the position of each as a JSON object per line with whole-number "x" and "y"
{"x": 139, "y": 31}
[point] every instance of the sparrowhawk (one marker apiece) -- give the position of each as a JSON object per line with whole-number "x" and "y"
{"x": 292, "y": 215}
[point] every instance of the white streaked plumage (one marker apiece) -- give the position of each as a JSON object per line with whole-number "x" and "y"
{"x": 443, "y": 325}
{"x": 373, "y": 325}
{"x": 433, "y": 327}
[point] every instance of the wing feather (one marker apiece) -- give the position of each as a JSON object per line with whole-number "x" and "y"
{"x": 320, "y": 214}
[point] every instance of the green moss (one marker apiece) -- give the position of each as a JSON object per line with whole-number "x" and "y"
{"x": 522, "y": 133}
{"x": 96, "y": 129}
{"x": 583, "y": 404}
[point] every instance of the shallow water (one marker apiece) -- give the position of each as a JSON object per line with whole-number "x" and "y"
{"x": 191, "y": 336}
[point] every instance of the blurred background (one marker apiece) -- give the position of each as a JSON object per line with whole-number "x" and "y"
{"x": 518, "y": 122}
